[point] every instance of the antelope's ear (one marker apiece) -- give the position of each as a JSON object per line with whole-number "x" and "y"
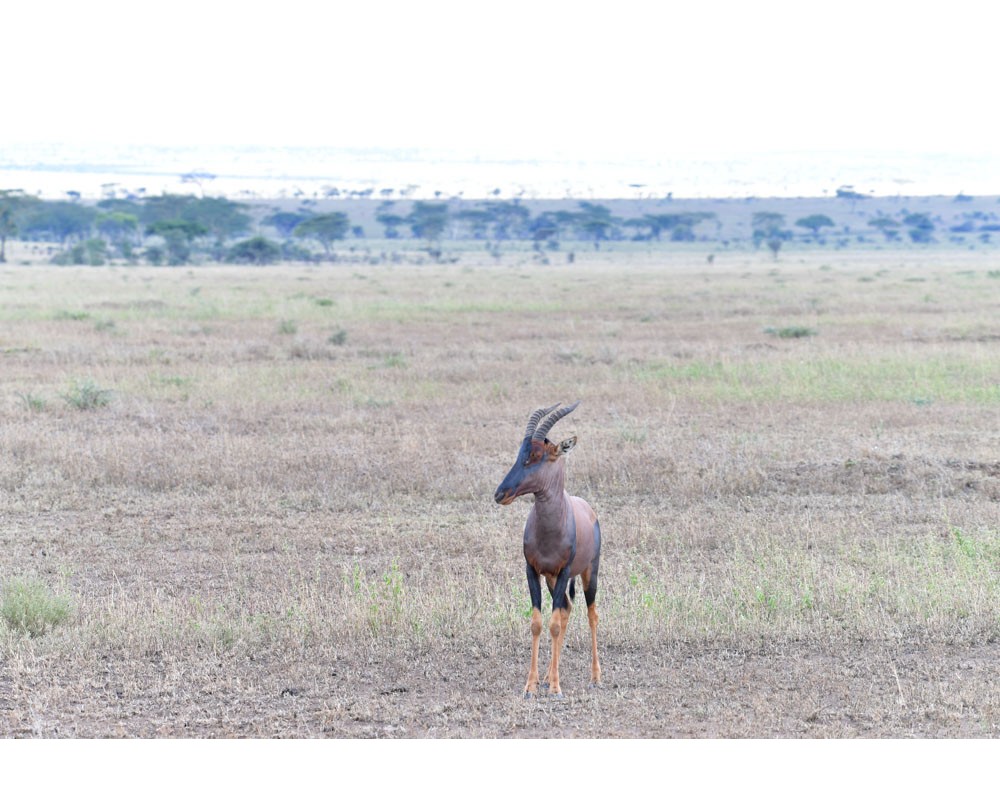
{"x": 567, "y": 445}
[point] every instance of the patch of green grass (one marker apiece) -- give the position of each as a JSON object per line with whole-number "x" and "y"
{"x": 30, "y": 607}
{"x": 827, "y": 378}
{"x": 171, "y": 380}
{"x": 775, "y": 587}
{"x": 338, "y": 338}
{"x": 87, "y": 395}
{"x": 982, "y": 547}
{"x": 288, "y": 327}
{"x": 377, "y": 601}
{"x": 71, "y": 315}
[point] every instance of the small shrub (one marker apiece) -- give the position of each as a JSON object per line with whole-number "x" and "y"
{"x": 92, "y": 252}
{"x": 254, "y": 251}
{"x": 790, "y": 332}
{"x": 31, "y": 401}
{"x": 339, "y": 338}
{"x": 155, "y": 255}
{"x": 288, "y": 327}
{"x": 87, "y": 395}
{"x": 293, "y": 251}
{"x": 30, "y": 607}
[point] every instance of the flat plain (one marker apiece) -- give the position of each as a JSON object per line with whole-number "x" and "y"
{"x": 265, "y": 495}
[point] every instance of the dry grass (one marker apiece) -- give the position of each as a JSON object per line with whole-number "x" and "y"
{"x": 279, "y": 522}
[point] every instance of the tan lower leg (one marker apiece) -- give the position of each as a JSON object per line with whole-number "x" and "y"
{"x": 557, "y": 628}
{"x": 595, "y": 666}
{"x": 565, "y": 622}
{"x": 536, "y": 632}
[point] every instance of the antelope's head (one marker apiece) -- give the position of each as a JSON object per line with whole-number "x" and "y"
{"x": 539, "y": 461}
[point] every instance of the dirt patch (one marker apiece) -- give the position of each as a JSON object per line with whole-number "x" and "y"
{"x": 916, "y": 477}
{"x": 666, "y": 690}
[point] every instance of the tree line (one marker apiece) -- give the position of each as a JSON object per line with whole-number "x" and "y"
{"x": 176, "y": 229}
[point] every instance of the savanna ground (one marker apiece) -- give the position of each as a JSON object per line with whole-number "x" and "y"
{"x": 265, "y": 495}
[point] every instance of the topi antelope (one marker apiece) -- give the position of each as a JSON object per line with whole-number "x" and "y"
{"x": 562, "y": 540}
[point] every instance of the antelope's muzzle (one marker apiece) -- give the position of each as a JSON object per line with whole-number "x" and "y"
{"x": 504, "y": 496}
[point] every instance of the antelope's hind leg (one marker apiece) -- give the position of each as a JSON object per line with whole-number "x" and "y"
{"x": 590, "y": 595}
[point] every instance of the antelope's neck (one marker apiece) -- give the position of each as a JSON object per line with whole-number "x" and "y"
{"x": 552, "y": 504}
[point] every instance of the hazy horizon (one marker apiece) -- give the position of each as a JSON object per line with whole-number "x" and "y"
{"x": 53, "y": 169}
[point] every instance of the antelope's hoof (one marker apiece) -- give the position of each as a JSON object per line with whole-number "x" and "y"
{"x": 596, "y": 685}
{"x": 556, "y": 694}
{"x": 528, "y": 695}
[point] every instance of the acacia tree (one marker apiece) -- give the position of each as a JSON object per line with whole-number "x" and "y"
{"x": 680, "y": 225}
{"x": 222, "y": 218}
{"x": 7, "y": 225}
{"x": 510, "y": 218}
{"x": 477, "y": 220}
{"x": 428, "y": 221}
{"x": 814, "y": 222}
{"x": 59, "y": 221}
{"x": 284, "y": 222}
{"x": 178, "y": 236}
{"x": 391, "y": 223}
{"x": 921, "y": 227}
{"x": 325, "y": 229}
{"x": 13, "y": 203}
{"x": 595, "y": 222}
{"x": 544, "y": 229}
{"x": 768, "y": 227}
{"x": 888, "y": 226}
{"x": 119, "y": 228}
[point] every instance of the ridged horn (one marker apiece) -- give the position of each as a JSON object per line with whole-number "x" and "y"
{"x": 536, "y": 415}
{"x": 542, "y": 430}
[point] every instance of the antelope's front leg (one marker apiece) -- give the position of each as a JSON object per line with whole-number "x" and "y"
{"x": 535, "y": 590}
{"x": 550, "y": 675}
{"x": 557, "y": 628}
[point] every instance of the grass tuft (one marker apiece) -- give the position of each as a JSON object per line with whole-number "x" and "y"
{"x": 30, "y": 607}
{"x": 87, "y": 395}
{"x": 32, "y": 402}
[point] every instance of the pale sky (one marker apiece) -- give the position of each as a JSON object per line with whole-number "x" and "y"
{"x": 505, "y": 78}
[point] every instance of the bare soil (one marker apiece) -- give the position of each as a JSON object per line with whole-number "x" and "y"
{"x": 665, "y": 690}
